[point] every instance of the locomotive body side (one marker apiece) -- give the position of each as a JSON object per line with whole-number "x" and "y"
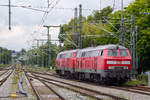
{"x": 65, "y": 62}
{"x": 108, "y": 63}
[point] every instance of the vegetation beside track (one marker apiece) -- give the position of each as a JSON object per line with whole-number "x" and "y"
{"x": 142, "y": 80}
{"x": 5, "y": 56}
{"x": 41, "y": 69}
{"x": 14, "y": 87}
{"x": 134, "y": 83}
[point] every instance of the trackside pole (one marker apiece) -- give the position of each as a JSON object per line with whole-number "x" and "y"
{"x": 149, "y": 78}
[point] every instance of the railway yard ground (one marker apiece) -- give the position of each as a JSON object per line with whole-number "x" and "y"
{"x": 26, "y": 83}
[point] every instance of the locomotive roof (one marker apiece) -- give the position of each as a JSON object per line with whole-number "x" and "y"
{"x": 109, "y": 46}
{"x": 69, "y": 51}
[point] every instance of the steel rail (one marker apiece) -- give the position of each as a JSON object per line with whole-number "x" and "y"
{"x": 134, "y": 90}
{"x": 142, "y": 90}
{"x": 78, "y": 91}
{"x": 3, "y": 80}
{"x": 145, "y": 89}
{"x": 3, "y": 73}
{"x": 34, "y": 90}
{"x": 97, "y": 92}
{"x": 51, "y": 89}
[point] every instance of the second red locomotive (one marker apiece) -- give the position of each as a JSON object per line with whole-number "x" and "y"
{"x": 106, "y": 63}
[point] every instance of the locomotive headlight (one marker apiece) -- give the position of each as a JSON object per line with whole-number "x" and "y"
{"x": 111, "y": 67}
{"x": 125, "y": 62}
{"x": 111, "y": 62}
{"x": 125, "y": 67}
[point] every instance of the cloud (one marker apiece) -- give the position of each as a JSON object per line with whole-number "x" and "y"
{"x": 16, "y": 38}
{"x": 25, "y": 22}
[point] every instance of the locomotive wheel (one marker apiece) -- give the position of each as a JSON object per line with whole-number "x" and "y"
{"x": 91, "y": 77}
{"x": 80, "y": 76}
{"x": 83, "y": 76}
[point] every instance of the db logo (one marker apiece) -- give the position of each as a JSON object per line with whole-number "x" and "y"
{"x": 118, "y": 62}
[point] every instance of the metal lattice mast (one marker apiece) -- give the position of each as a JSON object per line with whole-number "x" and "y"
{"x": 37, "y": 53}
{"x": 48, "y": 42}
{"x": 80, "y": 26}
{"x": 133, "y": 46}
{"x": 136, "y": 31}
{"x": 42, "y": 55}
{"x": 122, "y": 35}
{"x": 9, "y": 12}
{"x": 75, "y": 25}
{"x": 100, "y": 3}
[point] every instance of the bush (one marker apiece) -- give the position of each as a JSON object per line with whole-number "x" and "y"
{"x": 134, "y": 83}
{"x": 143, "y": 78}
{"x": 1, "y": 65}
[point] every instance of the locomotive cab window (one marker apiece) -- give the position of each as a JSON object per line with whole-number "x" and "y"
{"x": 83, "y": 54}
{"x": 58, "y": 56}
{"x": 112, "y": 52}
{"x": 101, "y": 53}
{"x": 94, "y": 53}
{"x": 123, "y": 53}
{"x": 79, "y": 54}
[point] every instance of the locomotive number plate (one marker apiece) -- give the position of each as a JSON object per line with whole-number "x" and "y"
{"x": 118, "y": 62}
{"x": 118, "y": 67}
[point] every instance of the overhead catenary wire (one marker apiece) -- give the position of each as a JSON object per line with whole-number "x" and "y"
{"x": 114, "y": 4}
{"x": 111, "y": 33}
{"x": 47, "y": 9}
{"x": 111, "y": 24}
{"x": 26, "y": 7}
{"x": 69, "y": 41}
{"x": 40, "y": 8}
{"x": 44, "y": 17}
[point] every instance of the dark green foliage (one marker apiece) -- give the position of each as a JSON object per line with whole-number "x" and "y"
{"x": 143, "y": 78}
{"x": 41, "y": 54}
{"x": 5, "y": 56}
{"x": 60, "y": 35}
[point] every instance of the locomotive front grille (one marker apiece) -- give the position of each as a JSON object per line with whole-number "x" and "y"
{"x": 117, "y": 67}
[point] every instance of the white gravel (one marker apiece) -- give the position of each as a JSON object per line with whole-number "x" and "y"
{"x": 5, "y": 89}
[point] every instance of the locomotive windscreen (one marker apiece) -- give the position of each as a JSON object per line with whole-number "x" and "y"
{"x": 123, "y": 53}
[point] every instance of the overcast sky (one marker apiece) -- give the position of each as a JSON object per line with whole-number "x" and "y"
{"x": 27, "y": 24}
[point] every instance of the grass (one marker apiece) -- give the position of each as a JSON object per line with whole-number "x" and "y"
{"x": 1, "y": 65}
{"x": 136, "y": 83}
{"x": 133, "y": 83}
{"x": 141, "y": 80}
{"x": 14, "y": 87}
{"x": 15, "y": 79}
{"x": 41, "y": 69}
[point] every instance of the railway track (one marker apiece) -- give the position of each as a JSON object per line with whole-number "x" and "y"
{"x": 140, "y": 90}
{"x": 80, "y": 89}
{"x": 36, "y": 92}
{"x": 4, "y": 79}
{"x": 3, "y": 73}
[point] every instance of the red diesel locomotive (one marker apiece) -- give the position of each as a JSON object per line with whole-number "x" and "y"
{"x": 106, "y": 63}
